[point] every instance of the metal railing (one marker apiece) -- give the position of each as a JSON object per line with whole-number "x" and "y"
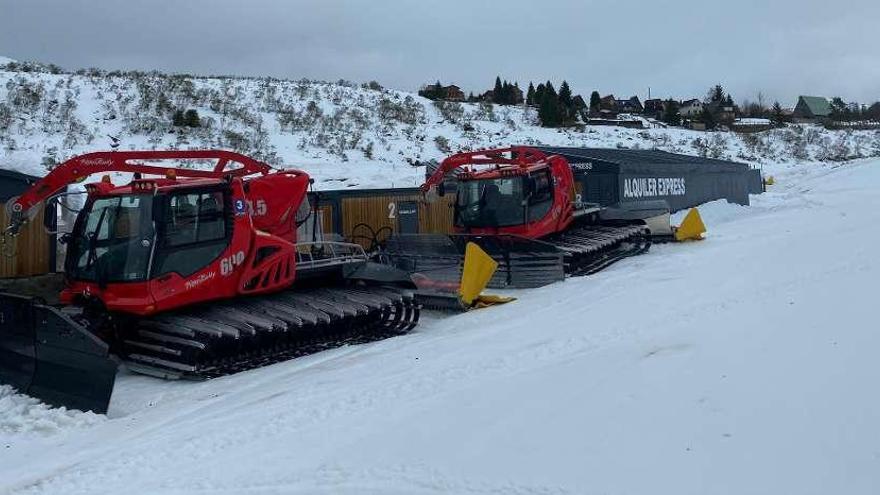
{"x": 320, "y": 254}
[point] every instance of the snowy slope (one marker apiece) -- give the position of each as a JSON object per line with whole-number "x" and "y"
{"x": 345, "y": 135}
{"x": 742, "y": 364}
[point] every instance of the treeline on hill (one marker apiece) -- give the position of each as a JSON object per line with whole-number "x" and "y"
{"x": 719, "y": 108}
{"x": 840, "y": 110}
{"x": 555, "y": 109}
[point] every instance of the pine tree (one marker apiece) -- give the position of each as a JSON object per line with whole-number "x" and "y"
{"x": 670, "y": 113}
{"x": 716, "y": 93}
{"x": 548, "y": 110}
{"x": 595, "y": 101}
{"x": 178, "y": 120}
{"x": 839, "y": 110}
{"x": 565, "y": 94}
{"x": 778, "y": 115}
{"x": 439, "y": 92}
{"x": 434, "y": 93}
{"x": 708, "y": 118}
{"x": 539, "y": 93}
{"x": 191, "y": 118}
{"x": 497, "y": 93}
{"x": 566, "y": 105}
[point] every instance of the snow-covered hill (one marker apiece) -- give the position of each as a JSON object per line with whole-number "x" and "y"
{"x": 742, "y": 364}
{"x": 342, "y": 133}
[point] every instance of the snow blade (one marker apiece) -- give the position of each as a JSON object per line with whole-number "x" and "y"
{"x": 522, "y": 263}
{"x": 47, "y": 355}
{"x": 451, "y": 303}
{"x": 478, "y": 270}
{"x": 691, "y": 228}
{"x": 447, "y": 302}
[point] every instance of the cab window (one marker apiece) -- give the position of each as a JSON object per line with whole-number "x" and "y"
{"x": 541, "y": 199}
{"x": 194, "y": 232}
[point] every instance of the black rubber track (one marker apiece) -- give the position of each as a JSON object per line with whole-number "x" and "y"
{"x": 590, "y": 249}
{"x": 241, "y": 334}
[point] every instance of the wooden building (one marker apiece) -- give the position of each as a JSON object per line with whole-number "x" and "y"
{"x": 632, "y": 105}
{"x": 439, "y": 92}
{"x": 33, "y": 251}
{"x": 367, "y": 215}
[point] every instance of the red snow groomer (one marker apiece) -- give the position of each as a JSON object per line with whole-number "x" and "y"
{"x": 185, "y": 273}
{"x": 520, "y": 205}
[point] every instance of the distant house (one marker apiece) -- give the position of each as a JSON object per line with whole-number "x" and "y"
{"x": 724, "y": 112}
{"x": 608, "y": 102}
{"x": 454, "y": 93}
{"x": 632, "y": 105}
{"x": 812, "y": 109}
{"x": 607, "y": 107}
{"x": 654, "y": 107}
{"x": 440, "y": 92}
{"x": 690, "y": 108}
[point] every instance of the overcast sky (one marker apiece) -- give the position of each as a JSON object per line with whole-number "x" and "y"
{"x": 677, "y": 47}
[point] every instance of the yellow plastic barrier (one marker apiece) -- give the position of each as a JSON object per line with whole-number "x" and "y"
{"x": 692, "y": 227}
{"x": 478, "y": 270}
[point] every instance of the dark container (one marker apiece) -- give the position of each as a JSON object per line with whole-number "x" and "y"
{"x": 630, "y": 179}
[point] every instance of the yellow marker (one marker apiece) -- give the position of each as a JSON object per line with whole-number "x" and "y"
{"x": 478, "y": 270}
{"x": 691, "y": 228}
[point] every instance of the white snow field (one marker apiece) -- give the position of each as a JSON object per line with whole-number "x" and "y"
{"x": 744, "y": 364}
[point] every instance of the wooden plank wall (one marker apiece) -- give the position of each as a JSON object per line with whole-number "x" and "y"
{"x": 380, "y": 211}
{"x": 436, "y": 217}
{"x": 326, "y": 217}
{"x": 32, "y": 247}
